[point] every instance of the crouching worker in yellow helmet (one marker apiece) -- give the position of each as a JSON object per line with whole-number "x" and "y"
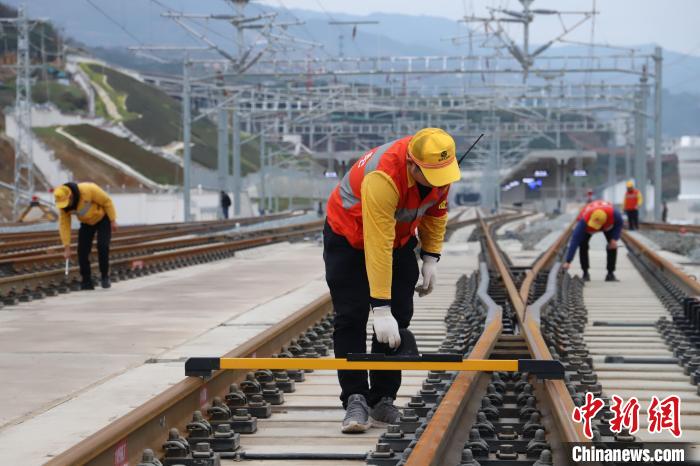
{"x": 369, "y": 243}
{"x": 96, "y": 214}
{"x": 594, "y": 217}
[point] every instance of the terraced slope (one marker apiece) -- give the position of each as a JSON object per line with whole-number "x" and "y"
{"x": 156, "y": 117}
{"x": 147, "y": 163}
{"x": 84, "y": 166}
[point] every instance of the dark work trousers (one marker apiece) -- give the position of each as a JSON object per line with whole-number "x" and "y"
{"x": 224, "y": 209}
{"x": 347, "y": 279}
{"x": 86, "y": 234}
{"x": 633, "y": 219}
{"x": 583, "y": 253}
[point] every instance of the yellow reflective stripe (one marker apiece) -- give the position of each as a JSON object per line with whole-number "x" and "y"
{"x": 84, "y": 210}
{"x": 346, "y": 195}
{"x": 504, "y": 365}
{"x": 408, "y": 215}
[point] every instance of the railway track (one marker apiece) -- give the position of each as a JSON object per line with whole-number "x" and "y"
{"x": 47, "y": 242}
{"x": 449, "y": 419}
{"x": 49, "y": 279}
{"x": 672, "y": 227}
{"x": 26, "y": 275}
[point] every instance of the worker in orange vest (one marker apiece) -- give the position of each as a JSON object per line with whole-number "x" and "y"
{"x": 631, "y": 204}
{"x": 594, "y": 217}
{"x": 369, "y": 239}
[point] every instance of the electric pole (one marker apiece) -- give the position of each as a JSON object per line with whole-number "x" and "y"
{"x": 24, "y": 159}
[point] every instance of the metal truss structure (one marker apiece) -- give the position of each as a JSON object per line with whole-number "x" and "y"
{"x": 24, "y": 160}
{"x": 334, "y": 108}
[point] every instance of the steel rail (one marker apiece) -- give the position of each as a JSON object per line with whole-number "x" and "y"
{"x": 148, "y": 425}
{"x": 435, "y": 440}
{"x": 544, "y": 261}
{"x": 143, "y": 255}
{"x": 40, "y": 280}
{"x": 671, "y": 227}
{"x": 559, "y": 398}
{"x": 556, "y": 391}
{"x": 44, "y": 239}
{"x": 147, "y": 244}
{"x": 690, "y": 285}
{"x": 11, "y": 235}
{"x": 433, "y": 443}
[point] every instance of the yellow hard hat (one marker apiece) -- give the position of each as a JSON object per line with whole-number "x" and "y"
{"x": 433, "y": 150}
{"x": 597, "y": 219}
{"x": 61, "y": 196}
{"x": 630, "y": 184}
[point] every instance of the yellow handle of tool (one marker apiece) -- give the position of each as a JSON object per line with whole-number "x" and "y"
{"x": 343, "y": 364}
{"x": 547, "y": 369}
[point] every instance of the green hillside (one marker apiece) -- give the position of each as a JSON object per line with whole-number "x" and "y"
{"x": 156, "y": 117}
{"x": 68, "y": 99}
{"x": 147, "y": 163}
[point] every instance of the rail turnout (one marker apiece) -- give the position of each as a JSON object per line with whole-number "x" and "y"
{"x": 494, "y": 413}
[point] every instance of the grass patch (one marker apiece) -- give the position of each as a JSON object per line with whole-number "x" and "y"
{"x": 68, "y": 99}
{"x": 147, "y": 163}
{"x": 82, "y": 165}
{"x": 117, "y": 97}
{"x": 100, "y": 109}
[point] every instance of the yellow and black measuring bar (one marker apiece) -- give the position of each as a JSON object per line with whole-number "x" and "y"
{"x": 543, "y": 369}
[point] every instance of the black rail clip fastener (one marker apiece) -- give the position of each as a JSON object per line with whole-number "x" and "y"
{"x": 425, "y": 357}
{"x": 201, "y": 367}
{"x": 542, "y": 369}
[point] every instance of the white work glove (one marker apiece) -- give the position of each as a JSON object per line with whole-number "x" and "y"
{"x": 385, "y": 327}
{"x": 429, "y": 272}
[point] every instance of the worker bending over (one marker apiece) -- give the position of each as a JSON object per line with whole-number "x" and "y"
{"x": 631, "y": 205}
{"x": 594, "y": 217}
{"x": 95, "y": 211}
{"x": 369, "y": 240}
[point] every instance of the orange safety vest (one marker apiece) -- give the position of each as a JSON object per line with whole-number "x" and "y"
{"x": 632, "y": 199}
{"x": 344, "y": 209}
{"x": 587, "y": 211}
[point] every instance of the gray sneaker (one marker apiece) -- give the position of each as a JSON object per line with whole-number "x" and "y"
{"x": 356, "y": 415}
{"x": 384, "y": 412}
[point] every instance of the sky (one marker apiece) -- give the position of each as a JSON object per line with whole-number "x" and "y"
{"x": 673, "y": 24}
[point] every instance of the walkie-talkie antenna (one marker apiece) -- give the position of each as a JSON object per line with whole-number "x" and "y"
{"x": 470, "y": 148}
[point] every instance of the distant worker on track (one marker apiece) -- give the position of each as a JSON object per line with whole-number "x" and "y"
{"x": 369, "y": 241}
{"x": 594, "y": 217}
{"x": 225, "y": 202}
{"x": 95, "y": 211}
{"x": 631, "y": 204}
{"x": 664, "y": 212}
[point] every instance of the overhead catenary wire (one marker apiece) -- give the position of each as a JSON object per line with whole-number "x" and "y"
{"x": 114, "y": 21}
{"x": 331, "y": 18}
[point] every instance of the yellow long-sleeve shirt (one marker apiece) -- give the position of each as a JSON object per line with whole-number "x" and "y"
{"x": 92, "y": 206}
{"x": 380, "y": 199}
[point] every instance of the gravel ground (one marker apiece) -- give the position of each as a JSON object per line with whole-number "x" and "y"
{"x": 687, "y": 244}
{"x": 537, "y": 230}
